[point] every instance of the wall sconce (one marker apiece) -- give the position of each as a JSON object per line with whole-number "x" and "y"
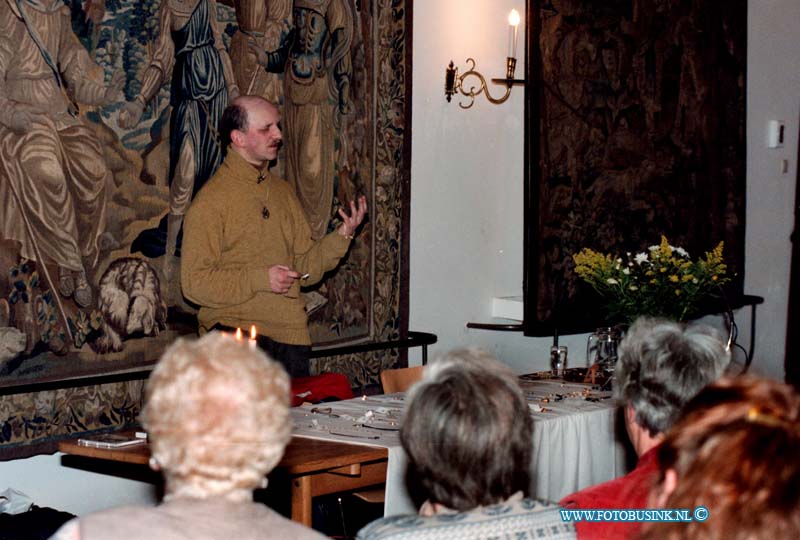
{"x": 453, "y": 82}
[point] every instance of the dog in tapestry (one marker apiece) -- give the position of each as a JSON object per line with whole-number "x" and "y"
{"x": 130, "y": 302}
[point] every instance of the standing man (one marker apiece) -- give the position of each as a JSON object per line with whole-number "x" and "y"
{"x": 247, "y": 243}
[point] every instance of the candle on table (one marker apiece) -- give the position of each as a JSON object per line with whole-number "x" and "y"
{"x": 252, "y": 341}
{"x": 238, "y": 334}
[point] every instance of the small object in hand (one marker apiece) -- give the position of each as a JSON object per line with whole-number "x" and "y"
{"x": 305, "y": 276}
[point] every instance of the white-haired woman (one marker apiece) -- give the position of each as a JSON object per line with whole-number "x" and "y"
{"x": 217, "y": 415}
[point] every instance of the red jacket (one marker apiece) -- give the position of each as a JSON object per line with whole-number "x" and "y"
{"x": 629, "y": 491}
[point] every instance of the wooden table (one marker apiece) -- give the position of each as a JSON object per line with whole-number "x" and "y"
{"x": 315, "y": 467}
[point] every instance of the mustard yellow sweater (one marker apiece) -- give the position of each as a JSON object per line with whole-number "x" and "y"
{"x": 228, "y": 245}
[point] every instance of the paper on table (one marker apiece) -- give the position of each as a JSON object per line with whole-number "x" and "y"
{"x": 110, "y": 441}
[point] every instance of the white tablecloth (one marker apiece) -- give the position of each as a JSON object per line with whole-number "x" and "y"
{"x": 574, "y": 444}
{"x": 573, "y": 437}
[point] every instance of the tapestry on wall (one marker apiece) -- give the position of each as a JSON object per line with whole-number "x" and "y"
{"x": 104, "y": 143}
{"x": 640, "y": 132}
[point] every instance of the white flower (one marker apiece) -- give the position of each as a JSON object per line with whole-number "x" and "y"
{"x": 619, "y": 261}
{"x": 695, "y": 281}
{"x": 641, "y": 258}
{"x": 633, "y": 288}
{"x": 626, "y": 272}
{"x": 654, "y": 248}
{"x": 612, "y": 281}
{"x": 680, "y": 251}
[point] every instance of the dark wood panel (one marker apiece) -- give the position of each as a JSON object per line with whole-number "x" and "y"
{"x": 634, "y": 128}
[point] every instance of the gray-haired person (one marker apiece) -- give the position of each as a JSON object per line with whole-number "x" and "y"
{"x": 662, "y": 365}
{"x": 217, "y": 414}
{"x": 467, "y": 432}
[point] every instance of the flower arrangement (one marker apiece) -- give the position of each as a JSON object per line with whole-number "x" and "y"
{"x": 661, "y": 282}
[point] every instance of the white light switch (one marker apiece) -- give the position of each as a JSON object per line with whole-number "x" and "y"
{"x": 775, "y": 129}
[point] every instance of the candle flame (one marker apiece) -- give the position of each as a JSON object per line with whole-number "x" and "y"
{"x": 238, "y": 334}
{"x": 253, "y": 331}
{"x": 513, "y": 18}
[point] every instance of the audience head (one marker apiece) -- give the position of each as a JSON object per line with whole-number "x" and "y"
{"x": 467, "y": 431}
{"x": 217, "y": 415}
{"x": 734, "y": 451}
{"x": 662, "y": 365}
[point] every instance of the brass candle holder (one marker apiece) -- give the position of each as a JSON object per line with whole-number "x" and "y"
{"x": 453, "y": 83}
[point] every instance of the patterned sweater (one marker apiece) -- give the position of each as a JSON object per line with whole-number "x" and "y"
{"x": 236, "y": 228}
{"x": 524, "y": 519}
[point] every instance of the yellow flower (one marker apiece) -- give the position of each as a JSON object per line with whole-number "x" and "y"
{"x": 649, "y": 283}
{"x": 665, "y": 247}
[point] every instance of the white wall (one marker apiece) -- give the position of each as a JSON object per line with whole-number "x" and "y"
{"x": 773, "y": 93}
{"x": 467, "y": 185}
{"x": 466, "y": 209}
{"x": 466, "y": 182}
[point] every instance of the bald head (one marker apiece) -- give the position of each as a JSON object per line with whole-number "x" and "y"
{"x": 250, "y": 127}
{"x": 235, "y": 115}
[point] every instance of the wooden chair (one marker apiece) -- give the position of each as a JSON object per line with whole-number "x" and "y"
{"x": 400, "y": 380}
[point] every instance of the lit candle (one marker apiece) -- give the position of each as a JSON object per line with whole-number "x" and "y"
{"x": 238, "y": 334}
{"x": 252, "y": 340}
{"x": 513, "y": 25}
